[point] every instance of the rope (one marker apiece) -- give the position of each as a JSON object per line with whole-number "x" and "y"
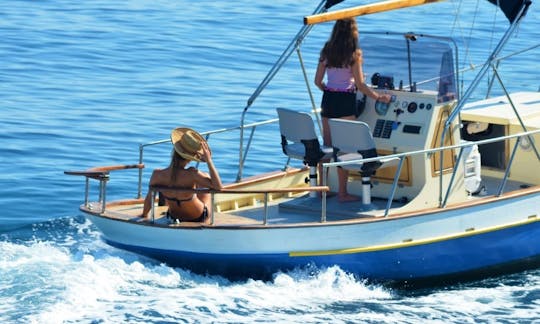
{"x": 489, "y": 77}
{"x": 467, "y": 57}
{"x": 460, "y": 30}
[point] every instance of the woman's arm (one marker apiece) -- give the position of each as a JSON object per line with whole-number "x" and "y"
{"x": 213, "y": 181}
{"x": 358, "y": 75}
{"x": 319, "y": 75}
{"x": 148, "y": 200}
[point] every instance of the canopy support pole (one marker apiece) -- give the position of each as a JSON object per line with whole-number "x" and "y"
{"x": 492, "y": 58}
{"x": 489, "y": 62}
{"x": 297, "y": 40}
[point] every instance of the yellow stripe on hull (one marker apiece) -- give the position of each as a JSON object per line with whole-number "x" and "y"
{"x": 408, "y": 243}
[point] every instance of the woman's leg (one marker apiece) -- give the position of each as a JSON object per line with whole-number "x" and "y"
{"x": 327, "y": 138}
{"x": 343, "y": 178}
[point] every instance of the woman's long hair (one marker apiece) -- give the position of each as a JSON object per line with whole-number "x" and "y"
{"x": 341, "y": 50}
{"x": 176, "y": 164}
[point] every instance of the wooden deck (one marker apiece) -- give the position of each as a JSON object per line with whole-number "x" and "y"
{"x": 286, "y": 211}
{"x": 131, "y": 212}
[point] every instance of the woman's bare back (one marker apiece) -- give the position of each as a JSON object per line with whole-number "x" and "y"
{"x": 182, "y": 205}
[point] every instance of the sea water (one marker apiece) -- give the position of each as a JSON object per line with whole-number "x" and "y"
{"x": 83, "y": 83}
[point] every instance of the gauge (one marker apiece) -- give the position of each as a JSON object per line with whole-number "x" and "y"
{"x": 411, "y": 108}
{"x": 421, "y": 106}
{"x": 428, "y": 106}
{"x": 381, "y": 108}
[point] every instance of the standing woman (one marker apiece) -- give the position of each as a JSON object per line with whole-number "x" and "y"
{"x": 341, "y": 61}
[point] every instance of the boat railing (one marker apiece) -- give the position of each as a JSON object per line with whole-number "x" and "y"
{"x": 102, "y": 174}
{"x": 207, "y": 135}
{"x": 265, "y": 192}
{"x": 442, "y": 194}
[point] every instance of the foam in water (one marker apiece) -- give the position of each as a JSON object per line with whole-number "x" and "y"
{"x": 60, "y": 271}
{"x": 78, "y": 277}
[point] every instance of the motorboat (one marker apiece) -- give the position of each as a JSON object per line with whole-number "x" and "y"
{"x": 446, "y": 183}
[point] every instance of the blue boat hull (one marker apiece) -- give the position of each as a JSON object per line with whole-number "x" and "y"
{"x": 453, "y": 257}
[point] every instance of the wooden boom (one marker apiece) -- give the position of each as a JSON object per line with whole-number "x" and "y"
{"x": 364, "y": 10}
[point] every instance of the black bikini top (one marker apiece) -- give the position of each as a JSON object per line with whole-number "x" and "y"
{"x": 178, "y": 201}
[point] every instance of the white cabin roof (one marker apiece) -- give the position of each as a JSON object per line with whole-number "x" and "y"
{"x": 498, "y": 110}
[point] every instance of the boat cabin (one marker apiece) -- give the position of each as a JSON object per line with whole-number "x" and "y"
{"x": 494, "y": 117}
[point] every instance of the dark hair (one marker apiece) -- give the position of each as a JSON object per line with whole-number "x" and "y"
{"x": 176, "y": 164}
{"x": 341, "y": 49}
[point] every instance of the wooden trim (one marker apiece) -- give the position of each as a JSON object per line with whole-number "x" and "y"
{"x": 242, "y": 191}
{"x": 387, "y": 174}
{"x": 103, "y": 171}
{"x": 449, "y": 156}
{"x": 126, "y": 202}
{"x": 417, "y": 213}
{"x": 507, "y": 150}
{"x": 118, "y": 167}
{"x": 265, "y": 177}
{"x": 364, "y": 10}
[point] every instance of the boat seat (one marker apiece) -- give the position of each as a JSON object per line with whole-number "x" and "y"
{"x": 352, "y": 140}
{"x": 300, "y": 141}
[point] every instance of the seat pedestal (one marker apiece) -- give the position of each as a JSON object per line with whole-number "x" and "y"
{"x": 366, "y": 191}
{"x": 313, "y": 180}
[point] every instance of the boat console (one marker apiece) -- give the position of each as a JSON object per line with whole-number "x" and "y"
{"x": 403, "y": 124}
{"x": 423, "y": 95}
{"x": 412, "y": 121}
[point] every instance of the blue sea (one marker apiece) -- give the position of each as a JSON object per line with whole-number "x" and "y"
{"x": 83, "y": 83}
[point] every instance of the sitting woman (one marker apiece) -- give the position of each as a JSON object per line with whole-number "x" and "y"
{"x": 186, "y": 206}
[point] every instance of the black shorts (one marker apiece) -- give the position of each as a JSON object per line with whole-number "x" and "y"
{"x": 338, "y": 104}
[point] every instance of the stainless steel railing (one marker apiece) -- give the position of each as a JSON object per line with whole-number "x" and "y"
{"x": 207, "y": 135}
{"x": 442, "y": 192}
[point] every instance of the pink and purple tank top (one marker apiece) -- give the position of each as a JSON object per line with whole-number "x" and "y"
{"x": 340, "y": 79}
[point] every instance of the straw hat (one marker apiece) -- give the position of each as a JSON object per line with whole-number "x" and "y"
{"x": 187, "y": 143}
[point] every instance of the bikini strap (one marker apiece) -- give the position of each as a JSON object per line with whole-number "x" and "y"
{"x": 178, "y": 201}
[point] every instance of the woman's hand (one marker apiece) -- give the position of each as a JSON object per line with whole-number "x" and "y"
{"x": 384, "y": 98}
{"x": 206, "y": 153}
{"x": 214, "y": 181}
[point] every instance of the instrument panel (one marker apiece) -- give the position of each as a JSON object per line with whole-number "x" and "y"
{"x": 402, "y": 122}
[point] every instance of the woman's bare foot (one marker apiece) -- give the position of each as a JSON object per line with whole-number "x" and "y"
{"x": 347, "y": 198}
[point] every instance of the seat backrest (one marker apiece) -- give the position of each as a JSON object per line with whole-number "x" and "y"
{"x": 296, "y": 126}
{"x": 351, "y": 135}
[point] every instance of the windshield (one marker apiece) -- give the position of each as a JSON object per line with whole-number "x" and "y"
{"x": 431, "y": 61}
